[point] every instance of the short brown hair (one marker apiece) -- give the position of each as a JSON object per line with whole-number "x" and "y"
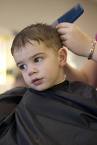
{"x": 38, "y": 32}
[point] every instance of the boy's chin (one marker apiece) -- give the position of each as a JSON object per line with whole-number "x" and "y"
{"x": 40, "y": 88}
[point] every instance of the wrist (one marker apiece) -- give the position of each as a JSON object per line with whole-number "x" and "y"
{"x": 86, "y": 46}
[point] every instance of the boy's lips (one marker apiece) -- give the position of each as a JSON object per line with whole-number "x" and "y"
{"x": 37, "y": 81}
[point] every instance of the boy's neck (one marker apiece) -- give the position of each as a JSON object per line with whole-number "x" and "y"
{"x": 62, "y": 80}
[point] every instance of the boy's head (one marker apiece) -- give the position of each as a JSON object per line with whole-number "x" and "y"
{"x": 39, "y": 54}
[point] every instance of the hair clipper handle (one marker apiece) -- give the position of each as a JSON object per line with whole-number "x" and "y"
{"x": 71, "y": 15}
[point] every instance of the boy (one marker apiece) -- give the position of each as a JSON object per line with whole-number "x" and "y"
{"x": 52, "y": 111}
{"x": 43, "y": 66}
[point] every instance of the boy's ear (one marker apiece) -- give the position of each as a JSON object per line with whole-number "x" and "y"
{"x": 62, "y": 54}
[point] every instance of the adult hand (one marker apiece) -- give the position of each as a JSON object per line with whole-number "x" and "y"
{"x": 74, "y": 39}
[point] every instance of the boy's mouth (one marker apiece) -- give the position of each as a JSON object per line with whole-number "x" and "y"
{"x": 37, "y": 82}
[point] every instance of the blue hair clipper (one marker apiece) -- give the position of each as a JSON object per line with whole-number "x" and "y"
{"x": 71, "y": 15}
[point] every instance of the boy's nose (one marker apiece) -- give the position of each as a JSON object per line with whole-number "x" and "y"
{"x": 32, "y": 71}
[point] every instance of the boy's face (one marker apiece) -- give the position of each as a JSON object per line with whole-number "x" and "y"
{"x": 40, "y": 66}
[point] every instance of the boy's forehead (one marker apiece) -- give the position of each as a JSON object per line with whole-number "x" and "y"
{"x": 29, "y": 44}
{"x": 29, "y": 50}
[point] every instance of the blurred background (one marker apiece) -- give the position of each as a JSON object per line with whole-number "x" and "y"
{"x": 17, "y": 14}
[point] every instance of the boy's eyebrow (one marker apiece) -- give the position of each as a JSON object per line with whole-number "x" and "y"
{"x": 18, "y": 63}
{"x": 36, "y": 54}
{"x": 30, "y": 57}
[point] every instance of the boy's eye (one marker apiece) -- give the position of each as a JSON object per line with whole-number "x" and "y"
{"x": 38, "y": 59}
{"x": 22, "y": 67}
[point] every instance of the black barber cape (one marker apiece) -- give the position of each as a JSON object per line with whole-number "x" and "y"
{"x": 66, "y": 114}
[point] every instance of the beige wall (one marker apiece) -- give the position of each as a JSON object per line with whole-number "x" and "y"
{"x": 16, "y": 14}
